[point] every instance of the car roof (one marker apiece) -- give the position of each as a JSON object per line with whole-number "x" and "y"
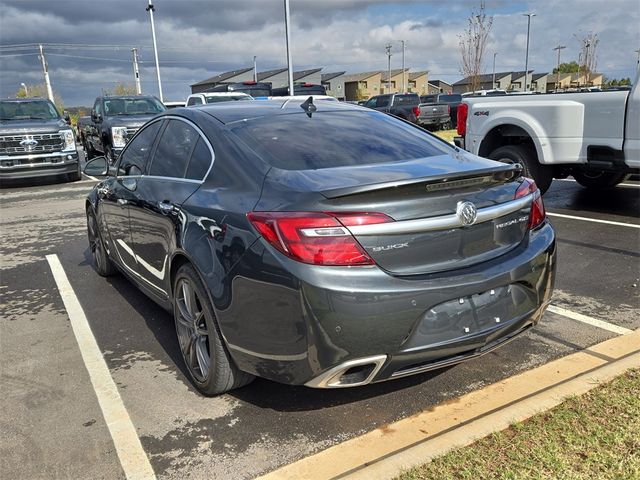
{"x": 26, "y": 99}
{"x": 221, "y": 94}
{"x": 229, "y": 112}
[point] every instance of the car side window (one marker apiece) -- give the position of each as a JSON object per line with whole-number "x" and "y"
{"x": 194, "y": 101}
{"x": 383, "y": 101}
{"x": 174, "y": 150}
{"x": 98, "y": 107}
{"x": 134, "y": 158}
{"x": 200, "y": 161}
{"x": 371, "y": 103}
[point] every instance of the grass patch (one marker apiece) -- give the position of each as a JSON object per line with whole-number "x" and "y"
{"x": 446, "y": 134}
{"x": 596, "y": 435}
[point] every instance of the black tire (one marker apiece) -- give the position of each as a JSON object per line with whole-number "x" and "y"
{"x": 88, "y": 151}
{"x": 599, "y": 180}
{"x": 101, "y": 262}
{"x": 210, "y": 366}
{"x": 526, "y": 156}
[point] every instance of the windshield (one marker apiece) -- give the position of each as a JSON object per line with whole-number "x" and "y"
{"x": 450, "y": 98}
{"x": 407, "y": 100}
{"x": 335, "y": 139}
{"x": 227, "y": 98}
{"x": 132, "y": 106}
{"x": 28, "y": 110}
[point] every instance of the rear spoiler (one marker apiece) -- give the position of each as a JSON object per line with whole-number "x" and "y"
{"x": 499, "y": 174}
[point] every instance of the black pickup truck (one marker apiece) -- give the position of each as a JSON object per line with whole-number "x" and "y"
{"x": 114, "y": 120}
{"x": 35, "y": 141}
{"x": 403, "y": 105}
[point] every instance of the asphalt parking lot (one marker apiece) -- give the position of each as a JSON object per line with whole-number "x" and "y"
{"x": 53, "y": 425}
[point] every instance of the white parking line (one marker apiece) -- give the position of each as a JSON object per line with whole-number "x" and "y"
{"x": 132, "y": 456}
{"x": 636, "y": 185}
{"x": 594, "y": 220}
{"x": 588, "y": 320}
{"x": 92, "y": 178}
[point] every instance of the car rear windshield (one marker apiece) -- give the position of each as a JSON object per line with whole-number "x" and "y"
{"x": 28, "y": 110}
{"x": 450, "y": 98}
{"x": 335, "y": 139}
{"x": 406, "y": 100}
{"x": 227, "y": 98}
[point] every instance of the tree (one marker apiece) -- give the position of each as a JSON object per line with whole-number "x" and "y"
{"x": 588, "y": 58}
{"x": 123, "y": 89}
{"x": 571, "y": 67}
{"x": 472, "y": 45}
{"x": 40, "y": 90}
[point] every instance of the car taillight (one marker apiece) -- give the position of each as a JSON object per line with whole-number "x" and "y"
{"x": 416, "y": 111}
{"x": 463, "y": 111}
{"x": 537, "y": 215}
{"x": 314, "y": 237}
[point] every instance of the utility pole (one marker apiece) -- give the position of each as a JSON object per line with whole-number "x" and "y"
{"x": 526, "y": 62}
{"x": 388, "y": 47}
{"x": 287, "y": 29}
{"x": 493, "y": 81}
{"x": 255, "y": 70}
{"x": 587, "y": 62}
{"x": 152, "y": 9}
{"x": 559, "y": 48}
{"x": 45, "y": 69}
{"x": 136, "y": 72}
{"x": 404, "y": 84}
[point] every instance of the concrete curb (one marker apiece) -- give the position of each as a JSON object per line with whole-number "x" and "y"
{"x": 386, "y": 451}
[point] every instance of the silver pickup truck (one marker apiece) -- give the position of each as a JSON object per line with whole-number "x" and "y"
{"x": 434, "y": 115}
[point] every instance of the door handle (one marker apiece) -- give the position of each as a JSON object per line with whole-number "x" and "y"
{"x": 122, "y": 202}
{"x": 166, "y": 207}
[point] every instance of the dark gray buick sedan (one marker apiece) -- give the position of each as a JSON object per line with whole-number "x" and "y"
{"x": 319, "y": 243}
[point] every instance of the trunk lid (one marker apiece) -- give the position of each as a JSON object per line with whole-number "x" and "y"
{"x": 423, "y": 196}
{"x": 433, "y": 110}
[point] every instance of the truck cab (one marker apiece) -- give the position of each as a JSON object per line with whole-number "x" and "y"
{"x": 115, "y": 119}
{"x": 35, "y": 141}
{"x": 403, "y": 105}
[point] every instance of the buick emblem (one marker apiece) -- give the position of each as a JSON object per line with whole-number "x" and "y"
{"x": 28, "y": 143}
{"x": 467, "y": 213}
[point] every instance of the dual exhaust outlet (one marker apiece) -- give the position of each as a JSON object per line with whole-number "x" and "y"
{"x": 352, "y": 373}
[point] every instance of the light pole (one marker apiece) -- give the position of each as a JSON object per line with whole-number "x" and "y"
{"x": 559, "y": 48}
{"x": 493, "y": 82}
{"x": 287, "y": 29}
{"x": 255, "y": 70}
{"x": 26, "y": 90}
{"x": 45, "y": 70}
{"x": 526, "y": 62}
{"x": 388, "y": 48}
{"x": 136, "y": 71}
{"x": 403, "y": 80}
{"x": 152, "y": 9}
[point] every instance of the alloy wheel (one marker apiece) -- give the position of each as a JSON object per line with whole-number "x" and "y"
{"x": 193, "y": 334}
{"x": 95, "y": 243}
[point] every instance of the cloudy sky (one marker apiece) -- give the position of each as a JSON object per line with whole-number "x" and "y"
{"x": 200, "y": 38}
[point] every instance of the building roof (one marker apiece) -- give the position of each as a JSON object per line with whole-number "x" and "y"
{"x": 414, "y": 75}
{"x": 395, "y": 72}
{"x": 223, "y": 76}
{"x": 520, "y": 74}
{"x": 438, "y": 82}
{"x": 262, "y": 76}
{"x": 329, "y": 76}
{"x": 485, "y": 78}
{"x": 303, "y": 73}
{"x": 538, "y": 76}
{"x": 358, "y": 77}
{"x": 270, "y": 73}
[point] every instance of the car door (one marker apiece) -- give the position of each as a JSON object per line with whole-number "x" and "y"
{"x": 117, "y": 194}
{"x": 179, "y": 164}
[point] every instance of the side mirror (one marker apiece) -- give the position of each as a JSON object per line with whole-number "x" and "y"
{"x": 66, "y": 117}
{"x": 97, "y": 167}
{"x": 95, "y": 117}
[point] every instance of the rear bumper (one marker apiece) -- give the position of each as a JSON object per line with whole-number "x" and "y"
{"x": 302, "y": 324}
{"x": 433, "y": 121}
{"x": 42, "y": 165}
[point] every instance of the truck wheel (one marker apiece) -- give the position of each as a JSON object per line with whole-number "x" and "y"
{"x": 526, "y": 156}
{"x": 88, "y": 151}
{"x": 599, "y": 180}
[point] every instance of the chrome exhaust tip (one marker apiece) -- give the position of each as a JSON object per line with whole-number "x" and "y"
{"x": 352, "y": 373}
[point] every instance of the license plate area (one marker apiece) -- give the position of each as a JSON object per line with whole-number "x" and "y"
{"x": 470, "y": 316}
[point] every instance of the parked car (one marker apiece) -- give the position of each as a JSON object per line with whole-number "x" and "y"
{"x": 403, "y": 105}
{"x": 300, "y": 89}
{"x": 320, "y": 244}
{"x": 451, "y": 99}
{"x": 594, "y": 137}
{"x": 255, "y": 89}
{"x": 496, "y": 92}
{"x": 35, "y": 141}
{"x": 81, "y": 124}
{"x": 215, "y": 97}
{"x": 115, "y": 119}
{"x": 170, "y": 105}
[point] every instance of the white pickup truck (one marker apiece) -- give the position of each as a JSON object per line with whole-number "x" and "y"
{"x": 593, "y": 136}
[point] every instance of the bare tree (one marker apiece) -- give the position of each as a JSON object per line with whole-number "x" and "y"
{"x": 588, "y": 58}
{"x": 472, "y": 45}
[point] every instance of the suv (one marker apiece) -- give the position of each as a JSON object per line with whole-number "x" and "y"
{"x": 216, "y": 97}
{"x": 35, "y": 140}
{"x": 115, "y": 119}
{"x": 403, "y": 105}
